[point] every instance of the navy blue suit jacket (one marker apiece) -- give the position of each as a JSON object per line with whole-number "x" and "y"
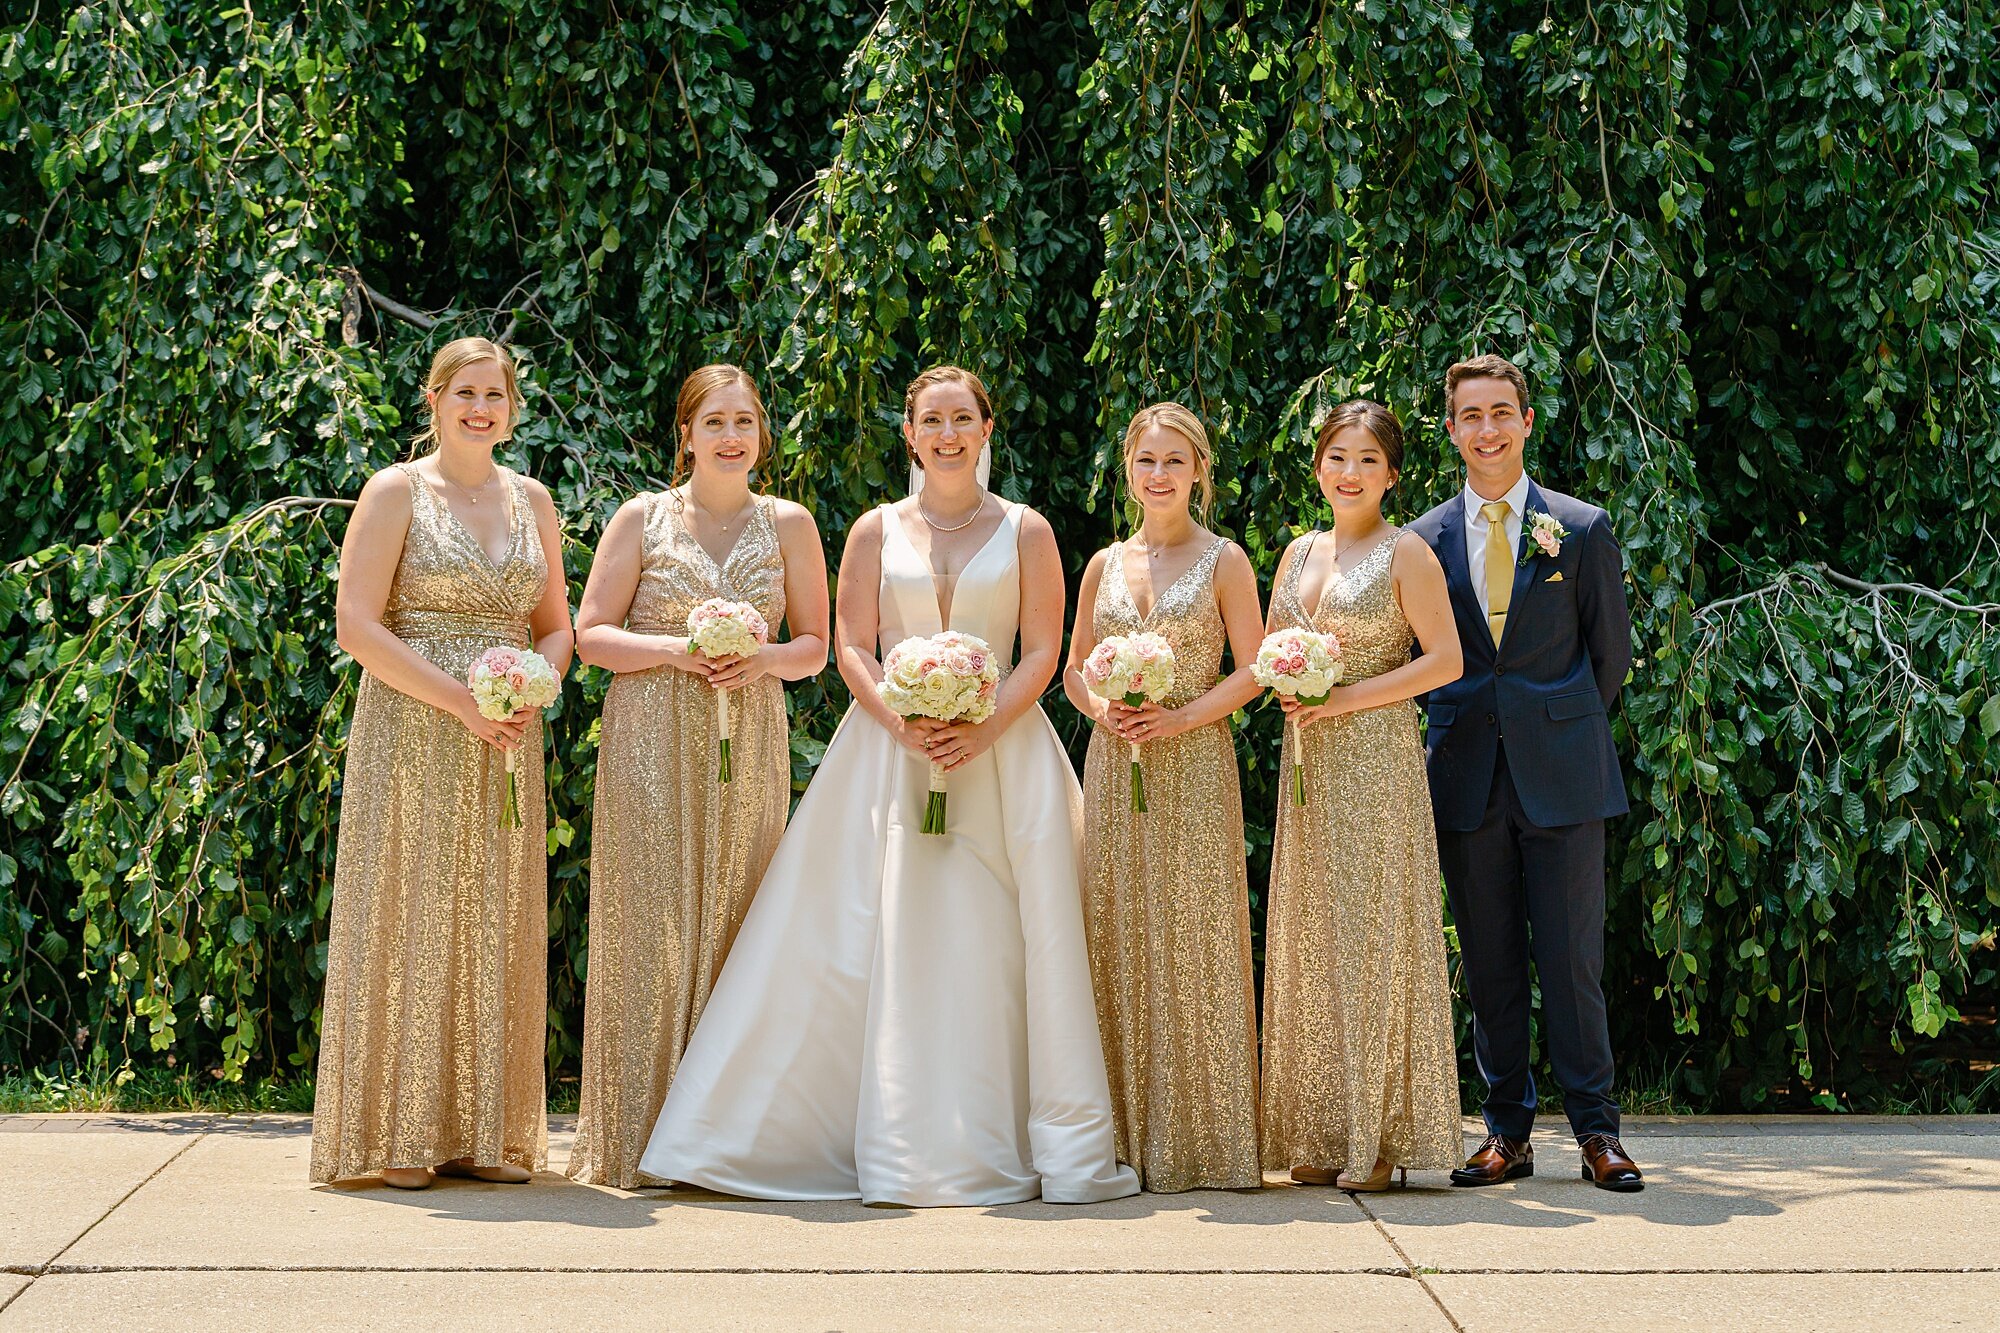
{"x": 1548, "y": 686}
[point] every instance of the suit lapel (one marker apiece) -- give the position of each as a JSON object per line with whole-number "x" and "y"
{"x": 1524, "y": 570}
{"x": 1457, "y": 575}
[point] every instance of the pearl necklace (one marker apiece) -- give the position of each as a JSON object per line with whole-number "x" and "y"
{"x": 939, "y": 527}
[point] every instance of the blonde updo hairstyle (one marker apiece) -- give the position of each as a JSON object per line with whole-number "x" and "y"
{"x": 695, "y": 389}
{"x": 1174, "y": 417}
{"x": 943, "y": 375}
{"x": 451, "y": 358}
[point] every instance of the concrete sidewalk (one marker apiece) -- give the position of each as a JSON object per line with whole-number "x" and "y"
{"x": 143, "y": 1222}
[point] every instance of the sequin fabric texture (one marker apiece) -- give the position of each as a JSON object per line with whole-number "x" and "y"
{"x": 1359, "y": 1062}
{"x": 1167, "y": 914}
{"x": 432, "y": 1027}
{"x": 675, "y": 854}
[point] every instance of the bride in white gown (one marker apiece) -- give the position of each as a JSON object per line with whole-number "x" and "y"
{"x": 907, "y": 1018}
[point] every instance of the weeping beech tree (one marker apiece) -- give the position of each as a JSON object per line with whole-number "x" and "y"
{"x": 1748, "y": 258}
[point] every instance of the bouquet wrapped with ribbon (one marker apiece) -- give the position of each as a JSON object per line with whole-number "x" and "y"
{"x": 720, "y": 628}
{"x": 950, "y": 676}
{"x": 1133, "y": 669}
{"x": 503, "y": 681}
{"x": 1300, "y": 664}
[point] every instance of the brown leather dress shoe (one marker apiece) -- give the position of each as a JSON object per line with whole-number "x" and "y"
{"x": 1606, "y": 1166}
{"x": 1498, "y": 1159}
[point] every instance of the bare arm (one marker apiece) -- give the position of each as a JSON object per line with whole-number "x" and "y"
{"x": 858, "y": 625}
{"x": 601, "y": 637}
{"x": 959, "y": 743}
{"x": 549, "y": 623}
{"x": 1421, "y": 592}
{"x": 369, "y": 555}
{"x": 1083, "y": 641}
{"x": 804, "y": 653}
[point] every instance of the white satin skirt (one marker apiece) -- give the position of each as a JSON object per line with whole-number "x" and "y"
{"x": 907, "y": 1018}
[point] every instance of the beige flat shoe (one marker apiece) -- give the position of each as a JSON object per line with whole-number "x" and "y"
{"x": 408, "y": 1177}
{"x": 1314, "y": 1175}
{"x": 500, "y": 1173}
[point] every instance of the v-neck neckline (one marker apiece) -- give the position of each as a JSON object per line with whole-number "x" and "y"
{"x": 513, "y": 533}
{"x": 943, "y": 620}
{"x": 1337, "y": 576}
{"x": 717, "y": 567}
{"x": 1159, "y": 600}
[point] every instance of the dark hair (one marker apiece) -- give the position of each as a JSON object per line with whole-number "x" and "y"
{"x": 1372, "y": 417}
{"x": 1488, "y": 367}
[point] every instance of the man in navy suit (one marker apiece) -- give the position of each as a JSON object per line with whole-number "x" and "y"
{"x": 1523, "y": 773}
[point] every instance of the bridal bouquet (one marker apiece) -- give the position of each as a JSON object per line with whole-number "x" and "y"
{"x": 949, "y": 676}
{"x": 503, "y": 681}
{"x": 1133, "y": 669}
{"x": 719, "y": 628}
{"x": 1305, "y": 666}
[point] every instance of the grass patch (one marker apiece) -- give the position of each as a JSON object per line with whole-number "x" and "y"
{"x": 156, "y": 1091}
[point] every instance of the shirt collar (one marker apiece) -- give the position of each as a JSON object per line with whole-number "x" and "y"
{"x": 1516, "y": 498}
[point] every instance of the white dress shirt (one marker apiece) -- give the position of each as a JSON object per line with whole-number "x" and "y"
{"x": 1516, "y": 500}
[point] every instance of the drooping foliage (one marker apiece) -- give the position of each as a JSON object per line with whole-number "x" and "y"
{"x": 1748, "y": 258}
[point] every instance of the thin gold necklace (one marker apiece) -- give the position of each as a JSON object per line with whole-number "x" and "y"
{"x": 472, "y": 496}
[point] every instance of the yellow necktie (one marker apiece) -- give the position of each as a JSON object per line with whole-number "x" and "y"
{"x": 1499, "y": 568}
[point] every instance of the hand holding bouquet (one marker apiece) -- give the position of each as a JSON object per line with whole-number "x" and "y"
{"x": 1303, "y": 665}
{"x": 719, "y": 628}
{"x": 950, "y": 676}
{"x": 503, "y": 681}
{"x": 1134, "y": 670}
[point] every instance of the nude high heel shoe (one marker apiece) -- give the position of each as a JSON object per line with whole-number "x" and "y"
{"x": 1376, "y": 1181}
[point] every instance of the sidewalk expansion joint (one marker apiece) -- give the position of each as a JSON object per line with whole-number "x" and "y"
{"x": 1411, "y": 1271}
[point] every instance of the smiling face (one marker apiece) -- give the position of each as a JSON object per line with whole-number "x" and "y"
{"x": 1354, "y": 472}
{"x": 946, "y": 431}
{"x": 1161, "y": 468}
{"x": 723, "y": 435}
{"x": 1490, "y": 428}
{"x": 474, "y": 408}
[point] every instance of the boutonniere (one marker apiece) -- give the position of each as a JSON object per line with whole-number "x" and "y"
{"x": 1544, "y": 533}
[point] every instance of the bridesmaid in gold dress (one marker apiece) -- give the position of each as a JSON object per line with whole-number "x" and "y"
{"x": 676, "y": 854}
{"x": 1360, "y": 1071}
{"x": 1166, "y": 895}
{"x": 432, "y": 1026}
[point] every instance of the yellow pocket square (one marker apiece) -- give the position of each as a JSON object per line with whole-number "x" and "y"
{"x": 1556, "y": 577}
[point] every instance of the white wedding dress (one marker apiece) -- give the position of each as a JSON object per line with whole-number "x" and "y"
{"x": 908, "y": 1018}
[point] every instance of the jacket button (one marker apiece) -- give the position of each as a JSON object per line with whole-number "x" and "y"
{"x": 1489, "y": 719}
{"x": 1499, "y": 671}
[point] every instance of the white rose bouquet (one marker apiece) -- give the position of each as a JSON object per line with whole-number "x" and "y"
{"x": 1302, "y": 665}
{"x": 504, "y": 681}
{"x": 1133, "y": 669}
{"x": 720, "y": 628}
{"x": 950, "y": 676}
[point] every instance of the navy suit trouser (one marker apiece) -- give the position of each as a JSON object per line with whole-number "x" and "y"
{"x": 1517, "y": 890}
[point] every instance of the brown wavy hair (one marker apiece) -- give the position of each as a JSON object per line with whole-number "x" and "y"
{"x": 696, "y": 388}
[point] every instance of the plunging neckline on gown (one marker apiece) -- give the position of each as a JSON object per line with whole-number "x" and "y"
{"x": 458, "y": 524}
{"x": 1160, "y": 598}
{"x": 944, "y": 606}
{"x": 1338, "y": 576}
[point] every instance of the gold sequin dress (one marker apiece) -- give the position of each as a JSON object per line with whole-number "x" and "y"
{"x": 1167, "y": 913}
{"x": 433, "y": 1022}
{"x": 1359, "y": 1062}
{"x": 675, "y": 855}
